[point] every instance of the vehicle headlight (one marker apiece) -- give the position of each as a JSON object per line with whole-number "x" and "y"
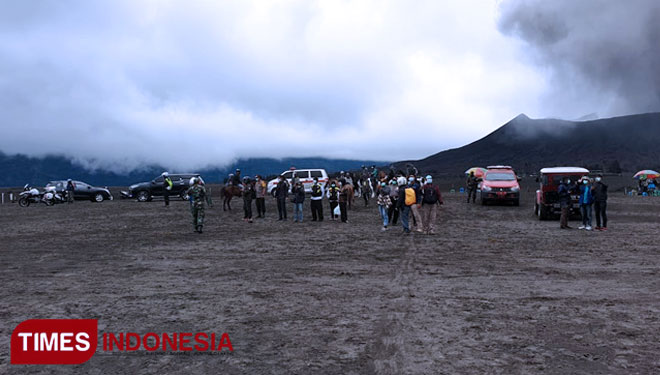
{"x": 132, "y": 187}
{"x": 486, "y": 188}
{"x": 515, "y": 189}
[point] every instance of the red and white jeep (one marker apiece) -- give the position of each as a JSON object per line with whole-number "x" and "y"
{"x": 547, "y": 197}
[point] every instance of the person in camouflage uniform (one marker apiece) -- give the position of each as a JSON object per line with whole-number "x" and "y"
{"x": 197, "y": 194}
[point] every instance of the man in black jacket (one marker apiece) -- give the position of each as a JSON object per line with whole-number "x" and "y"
{"x": 281, "y": 193}
{"x": 600, "y": 202}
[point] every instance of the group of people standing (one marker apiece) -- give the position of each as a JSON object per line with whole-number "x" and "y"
{"x": 414, "y": 200}
{"x": 593, "y": 197}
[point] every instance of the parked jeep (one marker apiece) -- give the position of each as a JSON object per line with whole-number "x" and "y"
{"x": 547, "y": 197}
{"x": 146, "y": 191}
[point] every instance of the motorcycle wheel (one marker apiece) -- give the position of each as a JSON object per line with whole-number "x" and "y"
{"x": 23, "y": 202}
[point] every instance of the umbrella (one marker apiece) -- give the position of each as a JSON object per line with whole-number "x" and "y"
{"x": 646, "y": 174}
{"x": 478, "y": 171}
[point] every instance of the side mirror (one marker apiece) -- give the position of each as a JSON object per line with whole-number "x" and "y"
{"x": 89, "y": 187}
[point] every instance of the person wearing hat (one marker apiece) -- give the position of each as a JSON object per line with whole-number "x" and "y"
{"x": 600, "y": 203}
{"x": 261, "y": 190}
{"x": 431, "y": 199}
{"x": 197, "y": 194}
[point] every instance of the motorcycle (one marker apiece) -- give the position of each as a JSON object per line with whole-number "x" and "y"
{"x": 29, "y": 195}
{"x": 51, "y": 197}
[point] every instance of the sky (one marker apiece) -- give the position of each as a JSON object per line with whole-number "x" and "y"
{"x": 194, "y": 84}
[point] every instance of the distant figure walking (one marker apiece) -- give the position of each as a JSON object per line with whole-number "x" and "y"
{"x": 431, "y": 199}
{"x": 393, "y": 210}
{"x": 197, "y": 194}
{"x": 472, "y": 183}
{"x": 70, "y": 188}
{"x": 167, "y": 187}
{"x": 600, "y": 203}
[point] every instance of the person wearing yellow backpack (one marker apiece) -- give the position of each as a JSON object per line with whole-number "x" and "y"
{"x": 406, "y": 200}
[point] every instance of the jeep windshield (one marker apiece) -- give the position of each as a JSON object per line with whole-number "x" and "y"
{"x": 500, "y": 177}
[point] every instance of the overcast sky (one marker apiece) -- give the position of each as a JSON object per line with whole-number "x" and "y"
{"x": 190, "y": 84}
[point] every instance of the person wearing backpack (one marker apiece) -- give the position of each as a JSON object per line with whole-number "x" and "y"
{"x": 333, "y": 198}
{"x": 431, "y": 199}
{"x": 317, "y": 200}
{"x": 418, "y": 223}
{"x": 406, "y": 200}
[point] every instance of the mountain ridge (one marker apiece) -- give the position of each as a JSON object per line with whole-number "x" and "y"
{"x": 617, "y": 144}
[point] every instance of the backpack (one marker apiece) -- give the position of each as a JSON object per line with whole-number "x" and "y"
{"x": 410, "y": 197}
{"x": 429, "y": 195}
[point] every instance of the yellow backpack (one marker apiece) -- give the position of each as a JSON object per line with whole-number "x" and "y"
{"x": 410, "y": 197}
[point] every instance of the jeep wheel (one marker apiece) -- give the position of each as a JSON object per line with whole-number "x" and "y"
{"x": 98, "y": 198}
{"x": 542, "y": 212}
{"x": 143, "y": 196}
{"x": 516, "y": 202}
{"x": 184, "y": 195}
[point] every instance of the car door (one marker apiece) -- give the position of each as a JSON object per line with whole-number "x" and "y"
{"x": 177, "y": 184}
{"x": 157, "y": 186}
{"x": 81, "y": 190}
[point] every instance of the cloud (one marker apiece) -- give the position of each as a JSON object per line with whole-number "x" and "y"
{"x": 600, "y": 56}
{"x": 189, "y": 84}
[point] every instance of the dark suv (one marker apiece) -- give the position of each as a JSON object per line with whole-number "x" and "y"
{"x": 146, "y": 191}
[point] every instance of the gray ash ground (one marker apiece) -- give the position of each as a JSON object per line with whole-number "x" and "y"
{"x": 495, "y": 291}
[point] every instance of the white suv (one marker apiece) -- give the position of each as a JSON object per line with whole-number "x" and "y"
{"x": 306, "y": 176}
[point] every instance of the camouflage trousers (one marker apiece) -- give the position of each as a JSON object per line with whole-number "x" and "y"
{"x": 197, "y": 211}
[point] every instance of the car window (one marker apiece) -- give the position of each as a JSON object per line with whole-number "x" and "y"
{"x": 159, "y": 179}
{"x": 80, "y": 185}
{"x": 494, "y": 176}
{"x": 175, "y": 179}
{"x": 317, "y": 174}
{"x": 302, "y": 174}
{"x": 287, "y": 175}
